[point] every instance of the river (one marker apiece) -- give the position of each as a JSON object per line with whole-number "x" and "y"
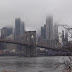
{"x": 32, "y": 64}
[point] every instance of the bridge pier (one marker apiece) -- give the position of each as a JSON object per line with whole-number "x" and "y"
{"x": 30, "y": 50}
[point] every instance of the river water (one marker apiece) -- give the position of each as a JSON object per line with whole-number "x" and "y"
{"x": 32, "y": 64}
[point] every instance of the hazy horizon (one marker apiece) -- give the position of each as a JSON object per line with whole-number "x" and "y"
{"x": 34, "y": 12}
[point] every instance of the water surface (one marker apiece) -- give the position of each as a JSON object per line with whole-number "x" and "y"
{"x": 32, "y": 64}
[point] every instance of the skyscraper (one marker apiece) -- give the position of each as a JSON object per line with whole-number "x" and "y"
{"x": 5, "y": 31}
{"x": 43, "y": 32}
{"x": 56, "y": 37}
{"x": 49, "y": 28}
{"x": 17, "y": 27}
{"x": 17, "y": 32}
{"x": 66, "y": 35}
{"x": 22, "y": 28}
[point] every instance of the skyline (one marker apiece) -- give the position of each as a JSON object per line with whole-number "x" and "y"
{"x": 34, "y": 12}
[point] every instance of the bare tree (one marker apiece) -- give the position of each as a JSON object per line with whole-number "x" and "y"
{"x": 67, "y": 65}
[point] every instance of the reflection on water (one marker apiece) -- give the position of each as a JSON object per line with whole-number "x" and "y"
{"x": 32, "y": 64}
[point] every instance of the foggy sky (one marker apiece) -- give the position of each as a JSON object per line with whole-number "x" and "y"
{"x": 34, "y": 12}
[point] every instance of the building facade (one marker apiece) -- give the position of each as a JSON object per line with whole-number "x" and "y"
{"x": 49, "y": 28}
{"x": 19, "y": 31}
{"x": 56, "y": 37}
{"x": 17, "y": 27}
{"x": 22, "y": 28}
{"x": 5, "y": 31}
{"x": 66, "y": 35}
{"x": 43, "y": 32}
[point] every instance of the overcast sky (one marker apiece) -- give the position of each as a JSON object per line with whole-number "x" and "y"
{"x": 34, "y": 12}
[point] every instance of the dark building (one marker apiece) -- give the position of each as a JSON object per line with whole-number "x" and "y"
{"x": 19, "y": 31}
{"x": 43, "y": 32}
{"x": 63, "y": 38}
{"x": 4, "y": 33}
{"x": 66, "y": 35}
{"x": 17, "y": 27}
{"x": 22, "y": 28}
{"x": 9, "y": 31}
{"x": 62, "y": 35}
{"x": 49, "y": 28}
{"x": 56, "y": 37}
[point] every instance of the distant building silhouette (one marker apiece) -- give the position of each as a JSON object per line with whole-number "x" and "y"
{"x": 43, "y": 32}
{"x": 49, "y": 33}
{"x": 5, "y": 31}
{"x": 56, "y": 37}
{"x": 66, "y": 35}
{"x": 17, "y": 27}
{"x": 49, "y": 28}
{"x": 63, "y": 39}
{"x": 22, "y": 28}
{"x": 19, "y": 31}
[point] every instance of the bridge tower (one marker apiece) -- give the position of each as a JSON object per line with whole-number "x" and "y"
{"x": 30, "y": 38}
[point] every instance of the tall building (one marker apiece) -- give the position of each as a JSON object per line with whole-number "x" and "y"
{"x": 56, "y": 37}
{"x": 3, "y": 36}
{"x": 17, "y": 27}
{"x": 19, "y": 31}
{"x": 43, "y": 32}
{"x": 63, "y": 39}
{"x": 5, "y": 31}
{"x": 66, "y": 35}
{"x": 49, "y": 28}
{"x": 62, "y": 35}
{"x": 22, "y": 28}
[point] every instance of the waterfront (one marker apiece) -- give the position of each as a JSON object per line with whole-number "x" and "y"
{"x": 32, "y": 64}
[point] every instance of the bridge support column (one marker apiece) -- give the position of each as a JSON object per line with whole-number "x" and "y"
{"x": 29, "y": 51}
{"x": 33, "y": 51}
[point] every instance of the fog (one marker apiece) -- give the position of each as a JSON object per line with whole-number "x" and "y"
{"x": 34, "y": 12}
